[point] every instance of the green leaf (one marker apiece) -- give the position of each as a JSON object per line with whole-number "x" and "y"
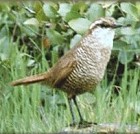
{"x": 29, "y": 30}
{"x": 75, "y": 40}
{"x": 4, "y": 32}
{"x": 76, "y": 11}
{"x": 125, "y": 21}
{"x": 31, "y": 21}
{"x": 64, "y": 8}
{"x": 125, "y": 57}
{"x": 111, "y": 10}
{"x": 120, "y": 45}
{"x": 49, "y": 11}
{"x": 37, "y": 6}
{"x": 4, "y": 7}
{"x": 127, "y": 31}
{"x": 41, "y": 15}
{"x": 79, "y": 7}
{"x": 130, "y": 9}
{"x": 54, "y": 36}
{"x": 5, "y": 47}
{"x": 72, "y": 15}
{"x": 79, "y": 25}
{"x": 3, "y": 57}
{"x": 31, "y": 63}
{"x": 95, "y": 11}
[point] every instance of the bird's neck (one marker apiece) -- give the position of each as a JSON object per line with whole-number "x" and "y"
{"x": 100, "y": 37}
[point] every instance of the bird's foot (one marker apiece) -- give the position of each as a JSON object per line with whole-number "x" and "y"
{"x": 74, "y": 124}
{"x": 82, "y": 124}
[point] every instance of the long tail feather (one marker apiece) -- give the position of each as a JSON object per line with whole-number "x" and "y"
{"x": 29, "y": 80}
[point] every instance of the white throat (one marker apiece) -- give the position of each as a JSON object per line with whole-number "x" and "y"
{"x": 104, "y": 36}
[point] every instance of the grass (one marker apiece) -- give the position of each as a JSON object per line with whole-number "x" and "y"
{"x": 21, "y": 109}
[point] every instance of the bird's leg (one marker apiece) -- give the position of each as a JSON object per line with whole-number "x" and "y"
{"x": 72, "y": 112}
{"x": 75, "y": 102}
{"x": 82, "y": 122}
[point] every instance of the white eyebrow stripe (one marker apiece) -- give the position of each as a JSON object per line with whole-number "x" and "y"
{"x": 95, "y": 23}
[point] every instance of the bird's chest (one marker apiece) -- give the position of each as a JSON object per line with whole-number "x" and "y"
{"x": 89, "y": 70}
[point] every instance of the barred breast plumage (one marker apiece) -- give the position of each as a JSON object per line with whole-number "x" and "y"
{"x": 91, "y": 58}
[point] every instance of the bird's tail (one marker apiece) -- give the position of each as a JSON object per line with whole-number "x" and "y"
{"x": 30, "y": 80}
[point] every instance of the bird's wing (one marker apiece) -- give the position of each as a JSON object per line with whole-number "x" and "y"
{"x": 62, "y": 69}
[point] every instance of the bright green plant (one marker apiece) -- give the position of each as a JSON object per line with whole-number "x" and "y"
{"x": 33, "y": 35}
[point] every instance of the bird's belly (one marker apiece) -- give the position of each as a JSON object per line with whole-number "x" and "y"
{"x": 88, "y": 72}
{"x": 81, "y": 80}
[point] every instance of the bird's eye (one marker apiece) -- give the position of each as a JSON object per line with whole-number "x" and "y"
{"x": 104, "y": 25}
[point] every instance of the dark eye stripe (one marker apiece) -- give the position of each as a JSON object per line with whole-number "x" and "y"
{"x": 103, "y": 25}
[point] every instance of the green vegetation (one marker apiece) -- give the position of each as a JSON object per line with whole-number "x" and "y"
{"x": 33, "y": 35}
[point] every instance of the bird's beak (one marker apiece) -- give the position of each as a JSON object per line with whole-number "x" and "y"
{"x": 118, "y": 25}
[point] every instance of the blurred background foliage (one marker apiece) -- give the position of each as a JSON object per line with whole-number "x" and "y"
{"x": 57, "y": 26}
{"x": 43, "y": 31}
{"x": 33, "y": 35}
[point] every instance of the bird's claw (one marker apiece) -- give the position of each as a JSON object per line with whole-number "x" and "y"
{"x": 82, "y": 124}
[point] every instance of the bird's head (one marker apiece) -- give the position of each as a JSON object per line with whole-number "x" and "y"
{"x": 102, "y": 30}
{"x": 107, "y": 22}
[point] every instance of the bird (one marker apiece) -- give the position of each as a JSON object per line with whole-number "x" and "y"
{"x": 81, "y": 68}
